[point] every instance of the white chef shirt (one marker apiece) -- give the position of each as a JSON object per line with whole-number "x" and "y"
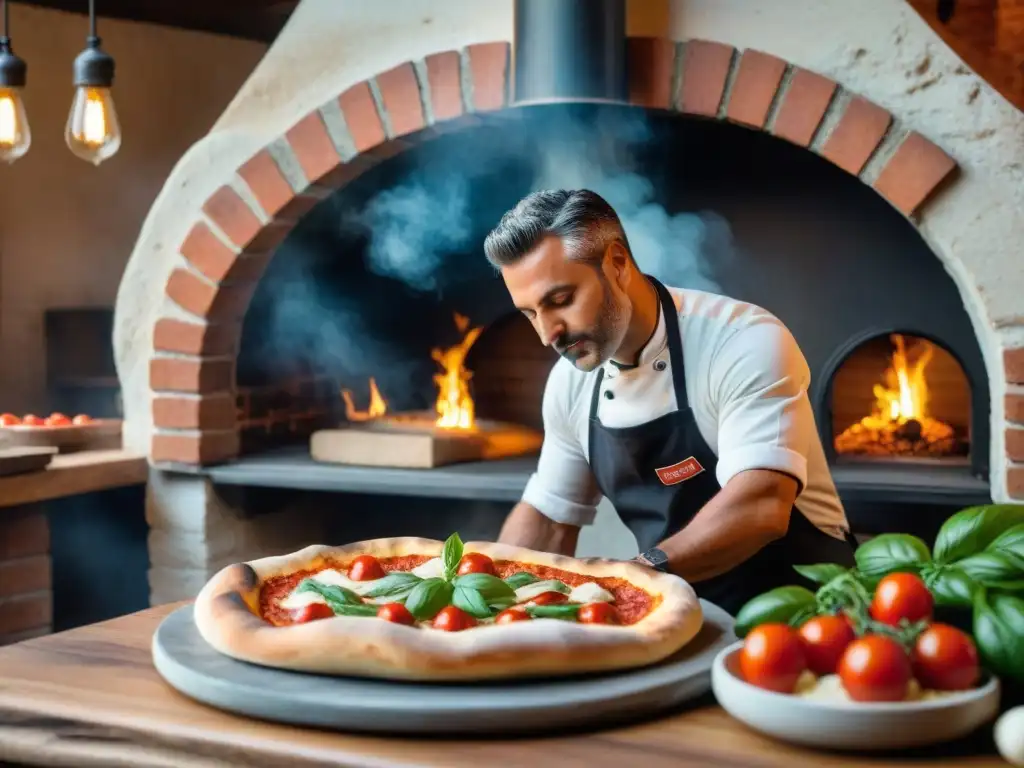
{"x": 746, "y": 381}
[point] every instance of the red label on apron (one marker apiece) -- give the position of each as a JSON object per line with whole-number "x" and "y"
{"x": 676, "y": 473}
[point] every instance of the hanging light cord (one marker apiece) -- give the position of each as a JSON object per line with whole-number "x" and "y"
{"x": 4, "y": 40}
{"x": 92, "y": 18}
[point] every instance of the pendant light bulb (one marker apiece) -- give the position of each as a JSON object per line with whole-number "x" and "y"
{"x": 93, "y": 132}
{"x": 15, "y": 136}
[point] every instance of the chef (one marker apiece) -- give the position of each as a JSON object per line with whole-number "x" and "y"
{"x": 687, "y": 410}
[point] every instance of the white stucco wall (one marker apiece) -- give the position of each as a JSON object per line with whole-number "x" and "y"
{"x": 877, "y": 48}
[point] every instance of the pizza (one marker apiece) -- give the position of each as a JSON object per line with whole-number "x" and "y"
{"x": 411, "y": 608}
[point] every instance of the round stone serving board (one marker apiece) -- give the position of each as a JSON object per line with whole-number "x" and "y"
{"x": 195, "y": 669}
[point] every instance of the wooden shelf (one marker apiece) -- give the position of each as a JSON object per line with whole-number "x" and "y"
{"x": 73, "y": 474}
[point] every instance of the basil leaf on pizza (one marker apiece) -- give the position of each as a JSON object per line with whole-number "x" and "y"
{"x": 332, "y": 594}
{"x": 354, "y": 610}
{"x": 521, "y": 579}
{"x": 471, "y": 601}
{"x": 491, "y": 588}
{"x": 546, "y": 585}
{"x": 428, "y": 597}
{"x": 394, "y": 585}
{"x": 553, "y": 611}
{"x": 451, "y": 556}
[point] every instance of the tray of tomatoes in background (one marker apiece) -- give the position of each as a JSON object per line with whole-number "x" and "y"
{"x": 66, "y": 433}
{"x": 914, "y": 645}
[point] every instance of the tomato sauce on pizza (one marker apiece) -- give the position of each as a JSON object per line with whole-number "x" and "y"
{"x": 468, "y": 591}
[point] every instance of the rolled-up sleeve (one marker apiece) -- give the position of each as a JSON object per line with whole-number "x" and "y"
{"x": 759, "y": 379}
{"x": 563, "y": 488}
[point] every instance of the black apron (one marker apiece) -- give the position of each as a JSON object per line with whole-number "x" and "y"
{"x": 658, "y": 475}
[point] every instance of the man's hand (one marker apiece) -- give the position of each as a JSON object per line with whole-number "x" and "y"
{"x": 749, "y": 513}
{"x": 527, "y": 527}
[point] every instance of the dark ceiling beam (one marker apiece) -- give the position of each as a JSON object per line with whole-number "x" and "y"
{"x": 259, "y": 20}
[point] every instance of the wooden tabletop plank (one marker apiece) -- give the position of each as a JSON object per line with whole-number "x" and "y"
{"x": 91, "y": 696}
{"x": 73, "y": 473}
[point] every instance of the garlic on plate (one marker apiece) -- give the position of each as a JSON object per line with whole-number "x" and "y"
{"x": 1009, "y": 735}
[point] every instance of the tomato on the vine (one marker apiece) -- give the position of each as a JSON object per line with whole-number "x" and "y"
{"x": 365, "y": 568}
{"x": 875, "y": 668}
{"x": 901, "y": 596}
{"x": 475, "y": 562}
{"x": 945, "y": 659}
{"x": 452, "y": 619}
{"x": 773, "y": 657}
{"x": 825, "y": 638}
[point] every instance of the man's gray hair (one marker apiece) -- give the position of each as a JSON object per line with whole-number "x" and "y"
{"x": 584, "y": 221}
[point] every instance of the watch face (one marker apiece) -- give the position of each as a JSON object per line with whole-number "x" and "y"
{"x": 656, "y": 557}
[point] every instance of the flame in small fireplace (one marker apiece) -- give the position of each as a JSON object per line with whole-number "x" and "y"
{"x": 378, "y": 406}
{"x": 899, "y": 423}
{"x": 455, "y": 408}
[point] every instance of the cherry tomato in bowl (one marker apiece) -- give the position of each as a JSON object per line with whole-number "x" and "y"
{"x": 773, "y": 657}
{"x": 945, "y": 659}
{"x": 875, "y": 668}
{"x": 825, "y": 639}
{"x": 901, "y": 596}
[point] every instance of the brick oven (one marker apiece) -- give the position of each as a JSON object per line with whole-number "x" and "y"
{"x": 843, "y": 169}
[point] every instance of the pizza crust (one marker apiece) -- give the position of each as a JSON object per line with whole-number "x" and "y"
{"x": 227, "y": 616}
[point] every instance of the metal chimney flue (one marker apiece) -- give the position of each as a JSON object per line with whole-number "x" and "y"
{"x": 569, "y": 50}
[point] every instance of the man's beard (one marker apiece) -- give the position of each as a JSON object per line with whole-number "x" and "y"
{"x": 599, "y": 344}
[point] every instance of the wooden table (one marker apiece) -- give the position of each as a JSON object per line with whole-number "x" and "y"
{"x": 73, "y": 473}
{"x": 91, "y": 697}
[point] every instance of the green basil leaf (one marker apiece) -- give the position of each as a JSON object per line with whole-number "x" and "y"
{"x": 394, "y": 585}
{"x": 331, "y": 593}
{"x": 500, "y": 605}
{"x": 1010, "y": 544}
{"x": 988, "y": 567}
{"x": 805, "y": 613}
{"x": 971, "y": 530}
{"x": 999, "y": 633}
{"x": 779, "y": 605}
{"x": 890, "y": 553}
{"x": 490, "y": 587}
{"x": 553, "y": 611}
{"x": 821, "y": 573}
{"x": 355, "y": 610}
{"x": 951, "y": 586}
{"x": 1008, "y": 586}
{"x": 451, "y": 556}
{"x": 471, "y": 601}
{"x": 521, "y": 579}
{"x": 428, "y": 597}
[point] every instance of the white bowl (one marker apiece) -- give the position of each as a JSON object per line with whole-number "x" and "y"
{"x": 850, "y": 725}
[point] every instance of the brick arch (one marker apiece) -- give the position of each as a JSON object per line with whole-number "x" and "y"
{"x": 234, "y": 236}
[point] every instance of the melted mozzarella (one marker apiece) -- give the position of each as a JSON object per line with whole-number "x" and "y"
{"x": 338, "y": 579}
{"x": 432, "y": 569}
{"x": 298, "y": 600}
{"x": 591, "y": 592}
{"x": 530, "y": 591}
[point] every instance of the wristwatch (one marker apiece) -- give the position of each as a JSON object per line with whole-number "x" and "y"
{"x": 657, "y": 559}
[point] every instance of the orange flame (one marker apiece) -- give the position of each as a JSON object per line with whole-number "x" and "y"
{"x": 904, "y": 395}
{"x": 378, "y": 406}
{"x": 455, "y": 407}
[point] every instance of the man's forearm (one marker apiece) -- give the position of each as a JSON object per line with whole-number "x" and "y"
{"x": 527, "y": 527}
{"x": 744, "y": 517}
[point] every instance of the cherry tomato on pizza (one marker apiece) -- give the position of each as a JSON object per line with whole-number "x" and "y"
{"x": 945, "y": 659}
{"x": 57, "y": 420}
{"x": 474, "y": 562}
{"x": 365, "y": 568}
{"x": 547, "y": 598}
{"x": 31, "y": 420}
{"x": 396, "y": 613}
{"x": 81, "y": 419}
{"x": 9, "y": 419}
{"x": 773, "y": 657}
{"x": 510, "y": 615}
{"x": 825, "y": 639}
{"x": 875, "y": 668}
{"x": 452, "y": 619}
{"x": 598, "y": 613}
{"x": 901, "y": 596}
{"x": 312, "y": 612}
